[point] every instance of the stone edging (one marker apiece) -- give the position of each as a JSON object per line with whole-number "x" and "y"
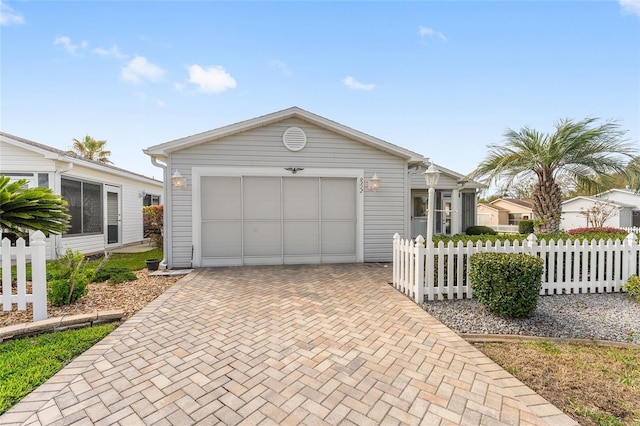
{"x": 507, "y": 338}
{"x": 59, "y": 324}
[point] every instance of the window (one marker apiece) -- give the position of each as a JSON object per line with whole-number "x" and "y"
{"x": 151, "y": 200}
{"x": 43, "y": 180}
{"x": 85, "y": 206}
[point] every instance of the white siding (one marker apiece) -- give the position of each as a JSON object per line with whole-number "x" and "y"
{"x": 384, "y": 210}
{"x": 16, "y": 159}
{"x": 571, "y": 216}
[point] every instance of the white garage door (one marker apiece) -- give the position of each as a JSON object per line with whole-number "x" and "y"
{"x": 276, "y": 220}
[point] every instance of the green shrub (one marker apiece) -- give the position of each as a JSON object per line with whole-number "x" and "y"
{"x": 480, "y": 230}
{"x": 114, "y": 275}
{"x": 633, "y": 287}
{"x": 525, "y": 227}
{"x": 506, "y": 283}
{"x": 68, "y": 278}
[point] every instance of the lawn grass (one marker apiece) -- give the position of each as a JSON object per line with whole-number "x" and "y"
{"x": 131, "y": 261}
{"x": 593, "y": 384}
{"x": 27, "y": 363}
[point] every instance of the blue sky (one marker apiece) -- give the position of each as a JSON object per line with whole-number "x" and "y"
{"x": 444, "y": 79}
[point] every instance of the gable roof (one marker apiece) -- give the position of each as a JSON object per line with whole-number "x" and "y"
{"x": 492, "y": 207}
{"x": 528, "y": 204}
{"x": 52, "y": 153}
{"x": 598, "y": 200}
{"x": 163, "y": 149}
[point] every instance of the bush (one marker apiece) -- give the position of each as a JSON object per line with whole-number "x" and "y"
{"x": 152, "y": 224}
{"x": 506, "y": 283}
{"x": 633, "y": 287}
{"x": 601, "y": 230}
{"x": 114, "y": 275}
{"x": 525, "y": 227}
{"x": 68, "y": 278}
{"x": 480, "y": 230}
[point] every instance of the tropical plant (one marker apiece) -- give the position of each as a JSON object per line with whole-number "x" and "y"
{"x": 91, "y": 149}
{"x": 152, "y": 224}
{"x": 25, "y": 209}
{"x": 587, "y": 152}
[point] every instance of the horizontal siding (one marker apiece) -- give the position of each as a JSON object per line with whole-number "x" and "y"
{"x": 132, "y": 210}
{"x": 444, "y": 181}
{"x": 85, "y": 244}
{"x": 384, "y": 210}
{"x": 16, "y": 159}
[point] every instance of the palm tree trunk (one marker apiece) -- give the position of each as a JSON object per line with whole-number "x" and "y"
{"x": 547, "y": 205}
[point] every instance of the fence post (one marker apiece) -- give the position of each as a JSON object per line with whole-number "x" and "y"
{"x": 38, "y": 276}
{"x": 396, "y": 258}
{"x": 628, "y": 257}
{"x": 532, "y": 244}
{"x": 6, "y": 274}
{"x": 419, "y": 252}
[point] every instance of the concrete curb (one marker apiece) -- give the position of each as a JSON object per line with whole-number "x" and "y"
{"x": 507, "y": 338}
{"x": 58, "y": 324}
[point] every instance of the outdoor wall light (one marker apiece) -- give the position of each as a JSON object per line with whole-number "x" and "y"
{"x": 374, "y": 182}
{"x": 177, "y": 181}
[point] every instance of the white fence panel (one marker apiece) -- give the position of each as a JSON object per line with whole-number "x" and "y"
{"x": 19, "y": 255}
{"x": 442, "y": 272}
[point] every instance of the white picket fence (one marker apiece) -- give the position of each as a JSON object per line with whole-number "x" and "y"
{"x": 442, "y": 272}
{"x": 20, "y": 255}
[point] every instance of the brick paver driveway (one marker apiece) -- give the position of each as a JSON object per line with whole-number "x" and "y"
{"x": 330, "y": 344}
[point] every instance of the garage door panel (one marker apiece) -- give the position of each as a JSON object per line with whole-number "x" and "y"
{"x": 262, "y": 238}
{"x": 261, "y": 198}
{"x": 222, "y": 239}
{"x": 338, "y": 198}
{"x": 301, "y": 238}
{"x": 221, "y": 198}
{"x": 301, "y": 198}
{"x": 338, "y": 238}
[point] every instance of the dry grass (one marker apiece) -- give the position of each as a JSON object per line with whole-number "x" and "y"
{"x": 594, "y": 385}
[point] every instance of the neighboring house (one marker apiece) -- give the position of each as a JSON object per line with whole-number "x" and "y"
{"x": 105, "y": 202}
{"x": 623, "y": 206}
{"x": 294, "y": 187}
{"x": 504, "y": 211}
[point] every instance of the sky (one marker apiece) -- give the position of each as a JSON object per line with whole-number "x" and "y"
{"x": 441, "y": 78}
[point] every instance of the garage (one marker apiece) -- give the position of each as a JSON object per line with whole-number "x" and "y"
{"x": 271, "y": 220}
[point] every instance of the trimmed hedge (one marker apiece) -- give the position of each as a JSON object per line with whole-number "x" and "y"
{"x": 506, "y": 283}
{"x": 480, "y": 230}
{"x": 525, "y": 227}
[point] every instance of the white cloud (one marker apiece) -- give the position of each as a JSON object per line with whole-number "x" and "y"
{"x": 281, "y": 66}
{"x": 9, "y": 17}
{"x": 211, "y": 79}
{"x": 352, "y": 83}
{"x": 429, "y": 32}
{"x": 67, "y": 45}
{"x": 139, "y": 69}
{"x": 630, "y": 6}
{"x": 114, "y": 51}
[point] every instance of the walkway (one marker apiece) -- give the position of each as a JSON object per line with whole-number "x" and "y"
{"x": 331, "y": 344}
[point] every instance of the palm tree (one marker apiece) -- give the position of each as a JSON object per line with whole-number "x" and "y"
{"x": 587, "y": 153}
{"x": 91, "y": 149}
{"x": 36, "y": 209}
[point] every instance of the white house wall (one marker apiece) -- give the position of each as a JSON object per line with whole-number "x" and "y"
{"x": 14, "y": 159}
{"x": 571, "y": 216}
{"x": 384, "y": 210}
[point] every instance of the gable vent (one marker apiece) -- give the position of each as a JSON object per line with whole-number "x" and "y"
{"x": 294, "y": 138}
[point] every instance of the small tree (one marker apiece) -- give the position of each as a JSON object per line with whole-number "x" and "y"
{"x": 153, "y": 224}
{"x": 598, "y": 214}
{"x": 25, "y": 209}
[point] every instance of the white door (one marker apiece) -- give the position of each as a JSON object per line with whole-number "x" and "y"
{"x": 256, "y": 220}
{"x": 114, "y": 216}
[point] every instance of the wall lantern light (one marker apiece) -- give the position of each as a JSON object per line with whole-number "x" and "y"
{"x": 177, "y": 181}
{"x": 374, "y": 182}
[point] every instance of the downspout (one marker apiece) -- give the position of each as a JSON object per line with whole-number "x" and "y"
{"x": 57, "y": 188}
{"x": 165, "y": 210}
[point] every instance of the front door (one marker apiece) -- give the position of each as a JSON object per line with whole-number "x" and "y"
{"x": 113, "y": 215}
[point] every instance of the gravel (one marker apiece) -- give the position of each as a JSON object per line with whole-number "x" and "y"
{"x": 611, "y": 316}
